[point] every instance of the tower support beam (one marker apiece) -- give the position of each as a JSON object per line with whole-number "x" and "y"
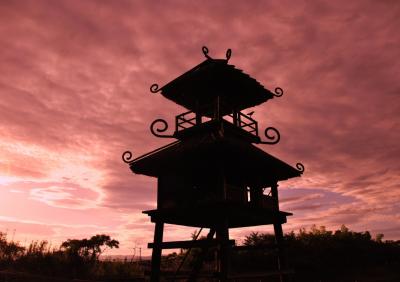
{"x": 157, "y": 249}
{"x": 222, "y": 235}
{"x": 282, "y": 266}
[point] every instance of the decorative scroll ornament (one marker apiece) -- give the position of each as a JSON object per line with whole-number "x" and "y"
{"x": 228, "y": 54}
{"x": 278, "y": 92}
{"x": 205, "y": 52}
{"x": 300, "y": 167}
{"x": 272, "y": 135}
{"x": 127, "y": 157}
{"x": 154, "y": 88}
{"x": 155, "y": 130}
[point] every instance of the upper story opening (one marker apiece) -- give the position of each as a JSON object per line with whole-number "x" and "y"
{"x": 190, "y": 119}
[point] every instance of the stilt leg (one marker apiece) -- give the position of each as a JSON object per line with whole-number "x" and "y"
{"x": 156, "y": 255}
{"x": 281, "y": 256}
{"x": 224, "y": 253}
{"x": 279, "y": 233}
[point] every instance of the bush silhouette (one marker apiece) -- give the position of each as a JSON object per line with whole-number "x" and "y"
{"x": 321, "y": 254}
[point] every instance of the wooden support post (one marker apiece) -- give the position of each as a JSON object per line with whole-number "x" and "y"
{"x": 157, "y": 250}
{"x": 222, "y": 235}
{"x": 281, "y": 256}
{"x": 256, "y": 194}
{"x": 198, "y": 113}
{"x": 282, "y": 266}
{"x": 274, "y": 195}
{"x": 221, "y": 184}
{"x": 217, "y": 114}
{"x": 177, "y": 123}
{"x": 256, "y": 128}
{"x": 198, "y": 118}
{"x": 235, "y": 117}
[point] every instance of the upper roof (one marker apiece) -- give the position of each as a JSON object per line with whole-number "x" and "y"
{"x": 200, "y": 86}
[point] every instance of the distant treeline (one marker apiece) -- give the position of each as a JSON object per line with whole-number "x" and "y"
{"x": 321, "y": 255}
{"x": 315, "y": 255}
{"x": 72, "y": 259}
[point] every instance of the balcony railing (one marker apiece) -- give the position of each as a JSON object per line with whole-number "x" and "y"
{"x": 185, "y": 120}
{"x": 189, "y": 119}
{"x": 245, "y": 122}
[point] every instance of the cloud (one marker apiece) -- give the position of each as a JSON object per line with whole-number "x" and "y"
{"x": 66, "y": 197}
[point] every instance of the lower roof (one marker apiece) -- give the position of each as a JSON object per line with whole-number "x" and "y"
{"x": 210, "y": 151}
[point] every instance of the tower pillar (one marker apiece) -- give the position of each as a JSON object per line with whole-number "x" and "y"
{"x": 156, "y": 254}
{"x": 279, "y": 240}
{"x": 222, "y": 235}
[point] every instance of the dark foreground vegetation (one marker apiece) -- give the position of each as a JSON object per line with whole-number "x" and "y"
{"x": 74, "y": 259}
{"x": 314, "y": 255}
{"x": 321, "y": 255}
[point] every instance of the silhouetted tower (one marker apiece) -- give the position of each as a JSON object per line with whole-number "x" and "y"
{"x": 213, "y": 176}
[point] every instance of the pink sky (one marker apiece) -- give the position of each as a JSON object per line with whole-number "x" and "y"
{"x": 74, "y": 88}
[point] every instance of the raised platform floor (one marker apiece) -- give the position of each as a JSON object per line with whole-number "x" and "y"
{"x": 211, "y": 215}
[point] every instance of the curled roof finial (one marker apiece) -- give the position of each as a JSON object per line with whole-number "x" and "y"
{"x": 278, "y": 92}
{"x": 127, "y": 157}
{"x": 300, "y": 167}
{"x": 228, "y": 54}
{"x": 158, "y": 126}
{"x": 154, "y": 88}
{"x": 205, "y": 52}
{"x": 272, "y": 135}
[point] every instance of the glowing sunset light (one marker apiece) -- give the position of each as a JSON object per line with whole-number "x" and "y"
{"x": 74, "y": 95}
{"x": 6, "y": 179}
